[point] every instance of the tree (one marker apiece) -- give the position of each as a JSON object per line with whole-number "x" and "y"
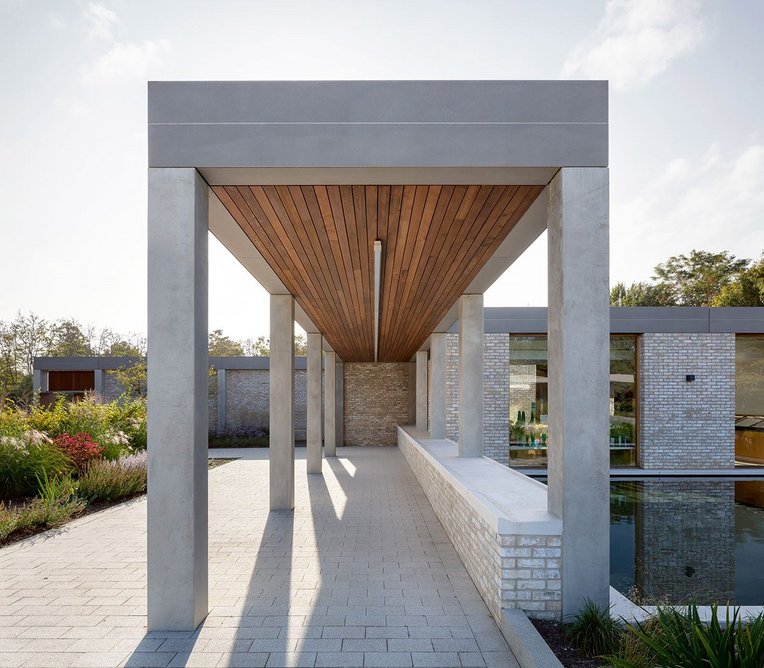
{"x": 747, "y": 290}
{"x": 221, "y": 345}
{"x": 69, "y": 340}
{"x": 301, "y": 345}
{"x": 260, "y": 347}
{"x": 641, "y": 294}
{"x": 697, "y": 279}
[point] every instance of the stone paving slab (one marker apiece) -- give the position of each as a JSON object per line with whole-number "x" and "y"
{"x": 360, "y": 574}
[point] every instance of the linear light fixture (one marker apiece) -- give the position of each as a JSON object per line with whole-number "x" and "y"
{"x": 377, "y": 288}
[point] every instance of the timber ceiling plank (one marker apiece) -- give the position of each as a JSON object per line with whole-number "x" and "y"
{"x": 319, "y": 241}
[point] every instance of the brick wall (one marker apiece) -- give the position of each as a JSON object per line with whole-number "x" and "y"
{"x": 686, "y": 424}
{"x": 495, "y": 394}
{"x": 509, "y": 571}
{"x": 248, "y": 400}
{"x": 376, "y": 399}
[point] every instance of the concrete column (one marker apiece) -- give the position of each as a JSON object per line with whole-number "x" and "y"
{"x": 412, "y": 393}
{"x": 339, "y": 404}
{"x": 438, "y": 399}
{"x": 471, "y": 376}
{"x": 579, "y": 327}
{"x": 282, "y": 403}
{"x": 36, "y": 385}
{"x": 330, "y": 404}
{"x": 177, "y": 399}
{"x": 421, "y": 390}
{"x": 314, "y": 403}
{"x": 98, "y": 382}
{"x": 222, "y": 401}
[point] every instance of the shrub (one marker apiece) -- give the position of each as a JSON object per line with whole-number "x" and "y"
{"x": 109, "y": 480}
{"x": 24, "y": 458}
{"x": 679, "y": 638}
{"x": 38, "y": 514}
{"x": 80, "y": 448}
{"x": 593, "y": 631}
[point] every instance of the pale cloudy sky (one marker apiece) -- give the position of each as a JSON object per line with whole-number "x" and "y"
{"x": 686, "y": 103}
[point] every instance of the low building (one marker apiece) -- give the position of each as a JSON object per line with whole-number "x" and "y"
{"x": 686, "y": 389}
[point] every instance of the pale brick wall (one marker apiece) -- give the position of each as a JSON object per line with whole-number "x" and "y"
{"x": 496, "y": 397}
{"x": 495, "y": 394}
{"x": 248, "y": 400}
{"x": 509, "y": 571}
{"x": 112, "y": 390}
{"x": 687, "y": 424}
{"x": 376, "y": 399}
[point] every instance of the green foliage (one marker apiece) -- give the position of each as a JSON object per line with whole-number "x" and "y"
{"x": 67, "y": 339}
{"x": 105, "y": 480}
{"x": 24, "y": 458}
{"x": 38, "y": 514}
{"x": 55, "y": 489}
{"x": 133, "y": 379}
{"x": 221, "y": 345}
{"x": 696, "y": 279}
{"x": 641, "y": 294}
{"x": 622, "y": 431}
{"x": 593, "y": 631}
{"x": 679, "y": 638}
{"x": 747, "y": 290}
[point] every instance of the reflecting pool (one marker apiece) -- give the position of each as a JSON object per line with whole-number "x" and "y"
{"x": 673, "y": 540}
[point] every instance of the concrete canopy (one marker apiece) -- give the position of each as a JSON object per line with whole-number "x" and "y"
{"x": 452, "y": 176}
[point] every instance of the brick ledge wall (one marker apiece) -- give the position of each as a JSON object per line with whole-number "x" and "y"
{"x": 509, "y": 571}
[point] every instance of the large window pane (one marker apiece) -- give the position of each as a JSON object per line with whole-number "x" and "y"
{"x": 749, "y": 399}
{"x": 528, "y": 401}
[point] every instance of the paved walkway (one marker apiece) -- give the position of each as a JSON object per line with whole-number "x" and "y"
{"x": 360, "y": 574}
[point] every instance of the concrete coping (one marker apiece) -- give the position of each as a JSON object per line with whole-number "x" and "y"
{"x": 511, "y": 503}
{"x": 626, "y": 610}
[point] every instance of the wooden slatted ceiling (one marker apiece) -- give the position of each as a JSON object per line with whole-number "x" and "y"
{"x": 319, "y": 241}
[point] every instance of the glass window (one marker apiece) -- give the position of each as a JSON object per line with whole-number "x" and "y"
{"x": 749, "y": 399}
{"x": 529, "y": 397}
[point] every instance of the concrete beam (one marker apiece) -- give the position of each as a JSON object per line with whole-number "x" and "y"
{"x": 438, "y": 384}
{"x": 421, "y": 390}
{"x": 177, "y": 399}
{"x": 471, "y": 376}
{"x": 282, "y": 403}
{"x": 314, "y": 403}
{"x": 579, "y": 381}
{"x": 330, "y": 404}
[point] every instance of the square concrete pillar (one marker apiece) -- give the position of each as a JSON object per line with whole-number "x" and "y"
{"x": 438, "y": 383}
{"x": 314, "y": 404}
{"x": 98, "y": 383}
{"x": 330, "y": 404}
{"x": 222, "y": 401}
{"x": 177, "y": 399}
{"x": 471, "y": 376}
{"x": 282, "y": 403}
{"x": 339, "y": 403}
{"x": 579, "y": 331}
{"x": 421, "y": 390}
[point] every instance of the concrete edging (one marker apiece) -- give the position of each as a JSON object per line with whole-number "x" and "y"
{"x": 526, "y": 643}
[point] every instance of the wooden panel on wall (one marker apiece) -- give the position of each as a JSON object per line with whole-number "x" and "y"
{"x": 319, "y": 240}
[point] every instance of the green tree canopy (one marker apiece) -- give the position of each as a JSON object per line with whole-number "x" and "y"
{"x": 747, "y": 290}
{"x": 69, "y": 340}
{"x": 695, "y": 280}
{"x": 640, "y": 294}
{"x": 221, "y": 345}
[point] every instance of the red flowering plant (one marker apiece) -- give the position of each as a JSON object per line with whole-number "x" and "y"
{"x": 80, "y": 448}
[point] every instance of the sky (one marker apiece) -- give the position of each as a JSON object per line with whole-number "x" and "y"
{"x": 686, "y": 135}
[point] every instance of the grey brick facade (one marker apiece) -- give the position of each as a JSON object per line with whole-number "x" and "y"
{"x": 686, "y": 424}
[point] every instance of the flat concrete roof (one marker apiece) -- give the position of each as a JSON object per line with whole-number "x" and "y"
{"x": 220, "y": 127}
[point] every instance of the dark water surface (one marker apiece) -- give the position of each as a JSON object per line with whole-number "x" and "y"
{"x": 673, "y": 540}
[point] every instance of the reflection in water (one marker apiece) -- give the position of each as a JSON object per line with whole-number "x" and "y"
{"x": 674, "y": 540}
